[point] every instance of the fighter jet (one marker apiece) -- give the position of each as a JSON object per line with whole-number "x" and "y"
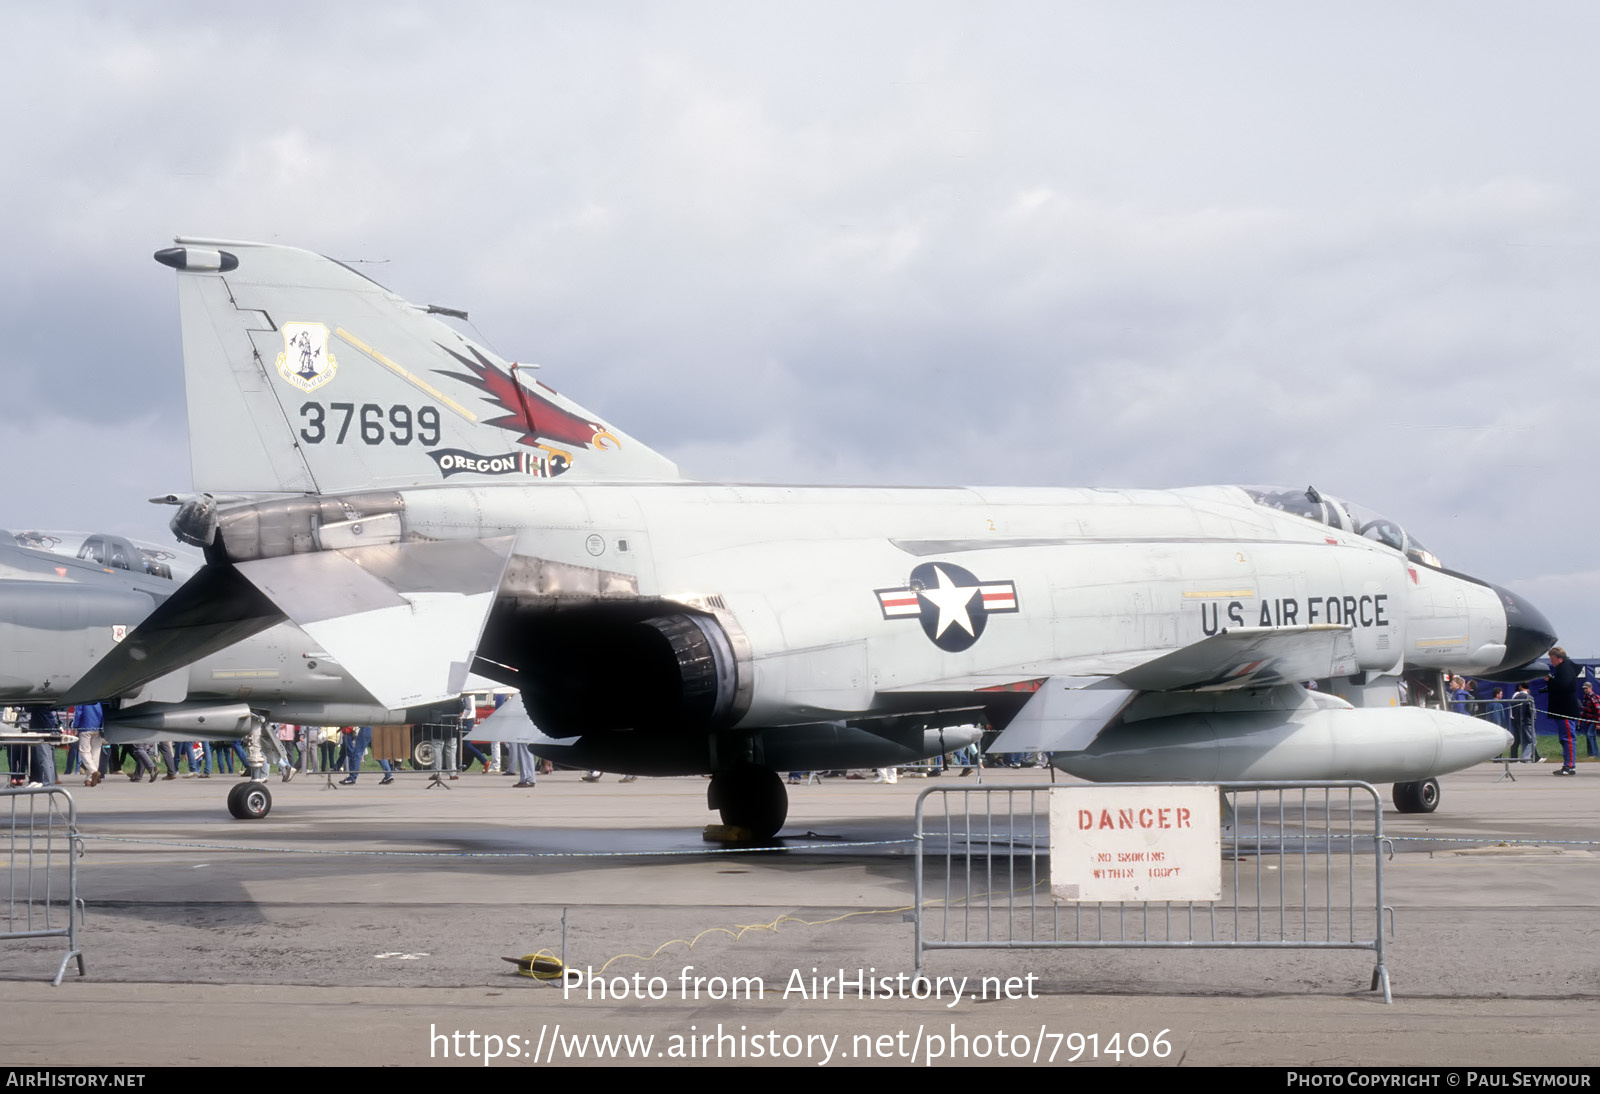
{"x": 448, "y": 512}
{"x": 68, "y": 598}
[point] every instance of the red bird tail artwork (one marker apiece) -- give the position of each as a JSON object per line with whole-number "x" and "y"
{"x": 538, "y": 421}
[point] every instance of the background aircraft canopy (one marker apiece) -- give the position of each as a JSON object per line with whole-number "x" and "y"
{"x": 110, "y": 551}
{"x": 1344, "y": 515}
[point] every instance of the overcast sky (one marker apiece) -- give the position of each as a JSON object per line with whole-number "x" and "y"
{"x": 1123, "y": 244}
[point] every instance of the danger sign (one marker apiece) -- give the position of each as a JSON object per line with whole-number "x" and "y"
{"x": 1135, "y": 843}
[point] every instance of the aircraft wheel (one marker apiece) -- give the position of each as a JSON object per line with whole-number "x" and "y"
{"x": 249, "y": 801}
{"x": 422, "y": 756}
{"x": 1417, "y": 797}
{"x": 752, "y": 798}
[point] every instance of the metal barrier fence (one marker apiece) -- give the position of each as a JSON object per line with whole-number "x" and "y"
{"x": 982, "y": 877}
{"x": 42, "y": 869}
{"x": 436, "y": 750}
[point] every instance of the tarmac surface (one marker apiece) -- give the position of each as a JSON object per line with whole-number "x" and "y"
{"x": 367, "y": 925}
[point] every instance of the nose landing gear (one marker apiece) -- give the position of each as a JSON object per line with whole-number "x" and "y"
{"x": 249, "y": 801}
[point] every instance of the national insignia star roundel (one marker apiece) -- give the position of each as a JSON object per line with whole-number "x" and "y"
{"x": 952, "y": 604}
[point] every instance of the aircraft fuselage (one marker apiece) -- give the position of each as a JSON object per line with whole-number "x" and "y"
{"x": 843, "y": 601}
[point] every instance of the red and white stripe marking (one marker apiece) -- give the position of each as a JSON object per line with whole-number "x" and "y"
{"x": 898, "y": 602}
{"x": 999, "y": 598}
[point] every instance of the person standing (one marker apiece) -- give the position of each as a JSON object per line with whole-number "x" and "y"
{"x": 1522, "y": 723}
{"x": 349, "y": 763}
{"x": 357, "y": 740}
{"x": 466, "y": 750}
{"x": 41, "y": 762}
{"x": 328, "y": 748}
{"x": 288, "y": 741}
{"x": 527, "y": 768}
{"x": 204, "y": 751}
{"x": 169, "y": 758}
{"x": 446, "y": 748}
{"x": 1561, "y": 690}
{"x": 88, "y": 720}
{"x": 1589, "y": 703}
{"x": 144, "y": 761}
{"x": 1498, "y": 711}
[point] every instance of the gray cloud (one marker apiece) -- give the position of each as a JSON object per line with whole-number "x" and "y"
{"x": 1041, "y": 244}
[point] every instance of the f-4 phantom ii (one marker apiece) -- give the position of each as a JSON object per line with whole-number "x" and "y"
{"x": 448, "y": 512}
{"x": 67, "y": 599}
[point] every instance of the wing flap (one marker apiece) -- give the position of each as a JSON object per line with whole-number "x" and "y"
{"x": 1065, "y": 714}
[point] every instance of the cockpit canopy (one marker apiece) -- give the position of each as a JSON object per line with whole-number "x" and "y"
{"x": 110, "y": 551}
{"x": 1344, "y": 515}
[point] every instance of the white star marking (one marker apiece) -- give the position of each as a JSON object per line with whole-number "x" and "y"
{"x": 952, "y": 601}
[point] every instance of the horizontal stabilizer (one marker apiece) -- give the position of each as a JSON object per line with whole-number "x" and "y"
{"x": 402, "y": 619}
{"x": 1063, "y": 718}
{"x": 511, "y": 725}
{"x": 211, "y": 611}
{"x": 1249, "y": 657}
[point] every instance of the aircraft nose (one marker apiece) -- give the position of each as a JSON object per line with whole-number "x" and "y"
{"x": 1528, "y": 633}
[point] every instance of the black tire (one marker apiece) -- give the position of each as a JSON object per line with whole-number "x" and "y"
{"x": 1405, "y": 797}
{"x": 1428, "y": 795}
{"x": 249, "y": 801}
{"x": 1417, "y": 797}
{"x": 752, "y": 798}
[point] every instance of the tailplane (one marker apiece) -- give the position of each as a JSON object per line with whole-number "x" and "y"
{"x": 304, "y": 376}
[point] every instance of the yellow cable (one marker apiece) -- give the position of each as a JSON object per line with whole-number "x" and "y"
{"x": 743, "y": 929}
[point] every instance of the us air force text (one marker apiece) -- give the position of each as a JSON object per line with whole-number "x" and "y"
{"x": 1350, "y": 611}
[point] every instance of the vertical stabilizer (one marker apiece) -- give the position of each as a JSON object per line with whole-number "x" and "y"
{"x": 304, "y": 376}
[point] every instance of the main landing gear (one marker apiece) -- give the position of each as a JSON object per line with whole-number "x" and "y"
{"x": 1417, "y": 797}
{"x": 751, "y": 798}
{"x": 249, "y": 800}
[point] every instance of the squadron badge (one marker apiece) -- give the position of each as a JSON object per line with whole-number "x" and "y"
{"x": 305, "y": 361}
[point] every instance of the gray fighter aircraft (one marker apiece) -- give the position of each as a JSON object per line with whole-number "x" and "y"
{"x": 67, "y": 599}
{"x": 450, "y": 512}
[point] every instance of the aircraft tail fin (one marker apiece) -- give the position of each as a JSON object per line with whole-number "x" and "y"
{"x": 304, "y": 376}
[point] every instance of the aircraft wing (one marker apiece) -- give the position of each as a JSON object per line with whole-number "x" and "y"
{"x": 1067, "y": 712}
